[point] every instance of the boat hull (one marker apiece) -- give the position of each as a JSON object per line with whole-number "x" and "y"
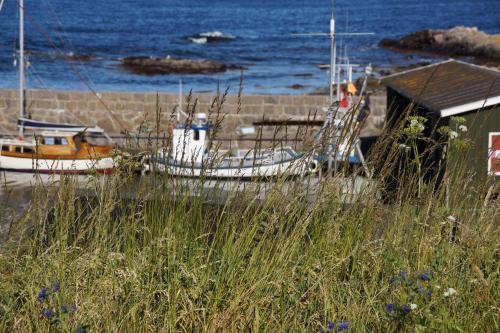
{"x": 294, "y": 167}
{"x": 55, "y": 166}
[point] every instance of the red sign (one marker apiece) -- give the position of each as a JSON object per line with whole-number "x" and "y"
{"x": 494, "y": 154}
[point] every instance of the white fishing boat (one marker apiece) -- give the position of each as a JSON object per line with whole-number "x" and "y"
{"x": 189, "y": 156}
{"x": 52, "y": 147}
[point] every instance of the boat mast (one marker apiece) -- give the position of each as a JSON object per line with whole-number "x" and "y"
{"x": 21, "y": 64}
{"x": 333, "y": 52}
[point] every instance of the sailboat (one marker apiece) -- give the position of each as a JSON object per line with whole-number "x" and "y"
{"x": 53, "y": 147}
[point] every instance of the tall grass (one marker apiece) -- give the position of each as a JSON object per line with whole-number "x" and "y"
{"x": 168, "y": 258}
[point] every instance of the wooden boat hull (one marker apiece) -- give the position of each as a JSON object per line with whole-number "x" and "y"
{"x": 54, "y": 166}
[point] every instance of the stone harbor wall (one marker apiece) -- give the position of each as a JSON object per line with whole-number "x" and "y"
{"x": 137, "y": 112}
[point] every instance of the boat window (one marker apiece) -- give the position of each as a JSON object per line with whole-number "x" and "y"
{"x": 196, "y": 135}
{"x": 19, "y": 149}
{"x": 48, "y": 141}
{"x": 54, "y": 141}
{"x": 5, "y": 148}
{"x": 28, "y": 150}
{"x": 60, "y": 141}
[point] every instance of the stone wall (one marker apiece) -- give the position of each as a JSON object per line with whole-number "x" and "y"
{"x": 118, "y": 111}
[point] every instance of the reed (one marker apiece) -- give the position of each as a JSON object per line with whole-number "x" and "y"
{"x": 168, "y": 257}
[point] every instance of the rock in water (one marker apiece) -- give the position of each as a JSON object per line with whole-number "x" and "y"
{"x": 458, "y": 41}
{"x": 157, "y": 66}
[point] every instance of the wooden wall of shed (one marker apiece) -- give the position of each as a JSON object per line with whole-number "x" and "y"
{"x": 474, "y": 160}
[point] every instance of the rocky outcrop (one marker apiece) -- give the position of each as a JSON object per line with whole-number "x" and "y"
{"x": 158, "y": 66}
{"x": 458, "y": 41}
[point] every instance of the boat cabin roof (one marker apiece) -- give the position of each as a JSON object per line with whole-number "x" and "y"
{"x": 58, "y": 134}
{"x": 17, "y": 142}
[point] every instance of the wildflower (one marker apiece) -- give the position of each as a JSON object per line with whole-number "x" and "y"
{"x": 82, "y": 330}
{"x": 404, "y": 147}
{"x": 463, "y": 128}
{"x": 429, "y": 293}
{"x": 64, "y": 309}
{"x": 42, "y": 295}
{"x": 452, "y": 218}
{"x": 320, "y": 331}
{"x": 406, "y": 309}
{"x": 392, "y": 280}
{"x": 56, "y": 287}
{"x": 343, "y": 325}
{"x": 73, "y": 308}
{"x": 330, "y": 325}
{"x": 389, "y": 307}
{"x": 453, "y": 135}
{"x": 424, "y": 277}
{"x": 413, "y": 306}
{"x": 450, "y": 292}
{"x": 47, "y": 313}
{"x": 438, "y": 286}
{"x": 403, "y": 274}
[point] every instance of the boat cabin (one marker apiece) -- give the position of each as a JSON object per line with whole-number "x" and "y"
{"x": 56, "y": 143}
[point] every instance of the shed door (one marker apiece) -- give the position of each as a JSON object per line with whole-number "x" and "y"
{"x": 494, "y": 154}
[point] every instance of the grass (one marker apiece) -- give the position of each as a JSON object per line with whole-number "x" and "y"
{"x": 159, "y": 262}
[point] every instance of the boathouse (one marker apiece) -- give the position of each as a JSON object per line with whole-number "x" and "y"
{"x": 446, "y": 94}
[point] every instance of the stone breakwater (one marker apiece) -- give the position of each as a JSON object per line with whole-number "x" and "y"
{"x": 137, "y": 112}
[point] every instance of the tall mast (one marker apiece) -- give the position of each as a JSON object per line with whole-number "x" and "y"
{"x": 332, "y": 57}
{"x": 21, "y": 64}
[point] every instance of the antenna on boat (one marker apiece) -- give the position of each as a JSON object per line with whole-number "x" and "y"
{"x": 333, "y": 50}
{"x": 21, "y": 64}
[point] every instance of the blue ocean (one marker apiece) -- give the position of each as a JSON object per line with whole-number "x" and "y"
{"x": 261, "y": 32}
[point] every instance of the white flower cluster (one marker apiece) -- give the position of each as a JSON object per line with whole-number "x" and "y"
{"x": 463, "y": 128}
{"x": 449, "y": 292}
{"x": 404, "y": 147}
{"x": 453, "y": 135}
{"x": 415, "y": 125}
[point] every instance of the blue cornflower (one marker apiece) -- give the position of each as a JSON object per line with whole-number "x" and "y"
{"x": 389, "y": 307}
{"x": 320, "y": 331}
{"x": 343, "y": 325}
{"x": 64, "y": 309}
{"x": 42, "y": 295}
{"x": 424, "y": 277}
{"x": 56, "y": 286}
{"x": 406, "y": 309}
{"x": 73, "y": 307}
{"x": 330, "y": 325}
{"x": 47, "y": 313}
{"x": 429, "y": 293}
{"x": 82, "y": 330}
